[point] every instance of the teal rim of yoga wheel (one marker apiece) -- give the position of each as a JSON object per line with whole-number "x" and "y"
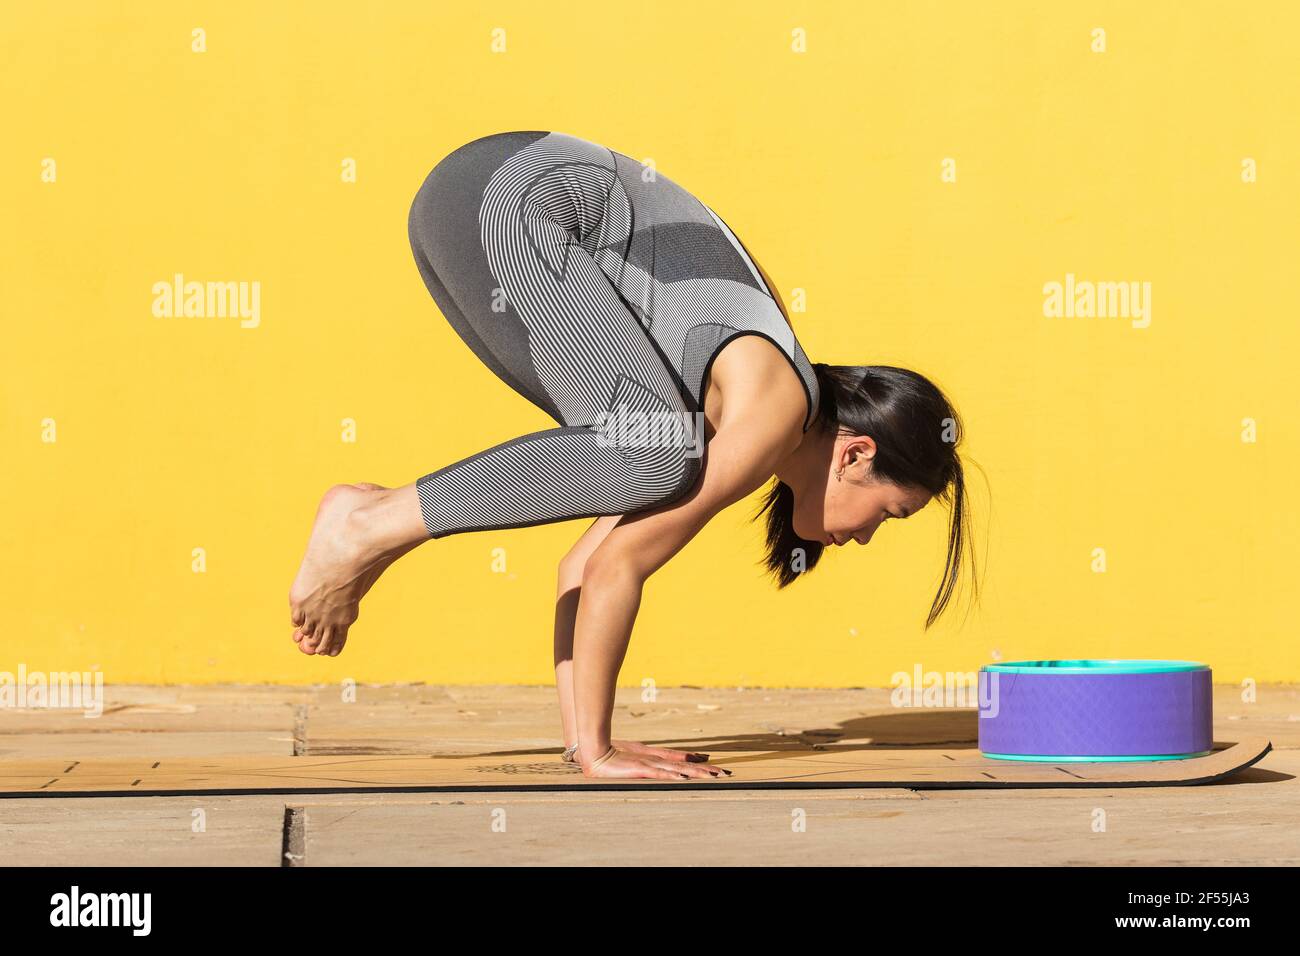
{"x": 1097, "y": 667}
{"x": 1043, "y": 758}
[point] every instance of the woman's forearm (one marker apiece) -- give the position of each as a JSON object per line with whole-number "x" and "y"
{"x": 611, "y": 597}
{"x": 568, "y": 593}
{"x": 566, "y": 611}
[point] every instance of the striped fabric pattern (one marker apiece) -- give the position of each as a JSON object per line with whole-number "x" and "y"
{"x": 592, "y": 288}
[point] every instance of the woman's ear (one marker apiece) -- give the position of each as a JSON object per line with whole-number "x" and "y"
{"x": 857, "y": 453}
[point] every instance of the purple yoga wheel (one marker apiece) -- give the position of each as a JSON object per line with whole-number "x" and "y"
{"x": 1095, "y": 710}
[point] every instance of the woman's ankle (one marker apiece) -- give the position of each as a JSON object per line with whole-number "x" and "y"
{"x": 389, "y": 521}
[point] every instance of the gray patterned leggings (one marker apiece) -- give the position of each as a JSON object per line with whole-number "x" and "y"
{"x": 509, "y": 263}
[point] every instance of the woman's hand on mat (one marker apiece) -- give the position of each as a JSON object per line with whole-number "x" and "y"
{"x": 663, "y": 753}
{"x": 643, "y": 766}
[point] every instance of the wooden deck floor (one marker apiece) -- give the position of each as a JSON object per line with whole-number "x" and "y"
{"x": 1249, "y": 819}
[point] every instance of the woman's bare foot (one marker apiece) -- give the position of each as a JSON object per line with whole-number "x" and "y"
{"x": 360, "y": 529}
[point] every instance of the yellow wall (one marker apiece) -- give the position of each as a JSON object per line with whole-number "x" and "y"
{"x": 185, "y": 433}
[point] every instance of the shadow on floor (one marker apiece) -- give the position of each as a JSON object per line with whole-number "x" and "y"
{"x": 932, "y": 729}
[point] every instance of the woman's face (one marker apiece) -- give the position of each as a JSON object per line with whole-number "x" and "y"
{"x": 854, "y": 504}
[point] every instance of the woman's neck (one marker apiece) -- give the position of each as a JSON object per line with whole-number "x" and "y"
{"x": 807, "y": 462}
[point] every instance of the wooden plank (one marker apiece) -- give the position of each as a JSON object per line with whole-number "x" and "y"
{"x": 829, "y": 767}
{"x": 107, "y": 831}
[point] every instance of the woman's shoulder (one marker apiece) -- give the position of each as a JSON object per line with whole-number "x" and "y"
{"x": 755, "y": 377}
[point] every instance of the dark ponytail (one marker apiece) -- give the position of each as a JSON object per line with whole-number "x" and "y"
{"x": 916, "y": 431}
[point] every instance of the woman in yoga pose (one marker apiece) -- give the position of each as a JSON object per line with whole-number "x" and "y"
{"x": 626, "y": 309}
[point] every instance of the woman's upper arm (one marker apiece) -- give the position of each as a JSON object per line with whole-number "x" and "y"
{"x": 741, "y": 456}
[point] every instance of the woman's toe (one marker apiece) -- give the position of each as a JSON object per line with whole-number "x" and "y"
{"x": 326, "y": 641}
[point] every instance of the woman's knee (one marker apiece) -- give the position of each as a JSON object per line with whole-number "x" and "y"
{"x": 662, "y": 478}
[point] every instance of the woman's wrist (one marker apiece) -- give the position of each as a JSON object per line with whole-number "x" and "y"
{"x": 592, "y": 745}
{"x": 591, "y": 748}
{"x": 603, "y": 758}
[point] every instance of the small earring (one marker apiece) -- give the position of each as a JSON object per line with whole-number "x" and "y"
{"x": 839, "y": 474}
